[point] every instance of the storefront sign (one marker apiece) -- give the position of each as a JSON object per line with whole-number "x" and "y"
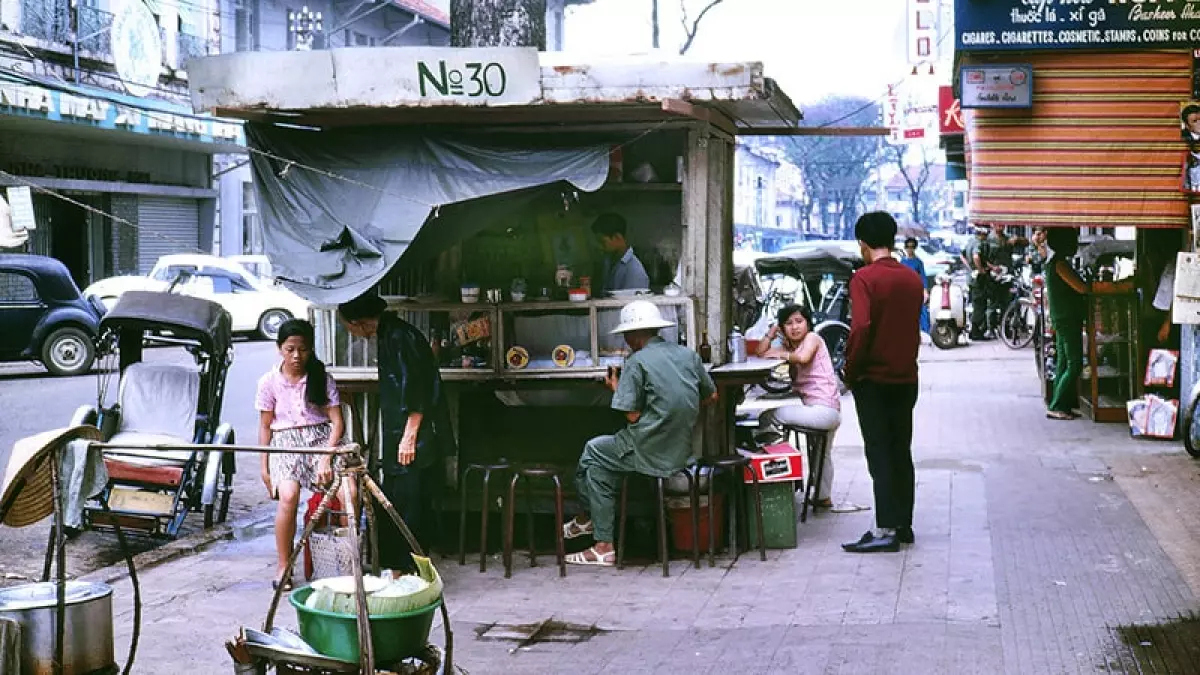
{"x": 922, "y": 31}
{"x": 20, "y": 204}
{"x": 491, "y": 76}
{"x": 32, "y": 101}
{"x": 997, "y": 86}
{"x": 992, "y": 25}
{"x": 911, "y": 112}
{"x": 950, "y": 119}
{"x": 137, "y": 46}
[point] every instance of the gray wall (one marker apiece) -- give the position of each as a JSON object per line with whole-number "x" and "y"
{"x": 22, "y": 153}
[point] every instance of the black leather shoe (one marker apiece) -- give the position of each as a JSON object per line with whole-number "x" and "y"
{"x": 905, "y": 535}
{"x": 869, "y": 543}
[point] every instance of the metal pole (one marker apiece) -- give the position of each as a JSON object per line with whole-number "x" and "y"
{"x": 75, "y": 38}
{"x": 60, "y": 590}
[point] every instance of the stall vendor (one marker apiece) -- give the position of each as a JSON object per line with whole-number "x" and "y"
{"x": 622, "y": 269}
{"x": 660, "y": 390}
{"x": 416, "y": 423}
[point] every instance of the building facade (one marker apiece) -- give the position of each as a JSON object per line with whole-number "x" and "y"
{"x": 100, "y": 128}
{"x": 769, "y": 206}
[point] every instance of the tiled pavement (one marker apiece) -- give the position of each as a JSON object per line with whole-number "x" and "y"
{"x": 1033, "y": 545}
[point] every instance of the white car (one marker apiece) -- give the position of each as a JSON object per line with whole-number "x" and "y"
{"x": 256, "y": 305}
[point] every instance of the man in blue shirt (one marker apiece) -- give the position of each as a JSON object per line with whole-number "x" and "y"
{"x": 915, "y": 264}
{"x": 622, "y": 269}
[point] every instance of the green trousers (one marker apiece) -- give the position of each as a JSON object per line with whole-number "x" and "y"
{"x": 1068, "y": 338}
{"x": 598, "y": 482}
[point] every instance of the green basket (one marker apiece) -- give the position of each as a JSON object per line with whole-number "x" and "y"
{"x": 394, "y": 636}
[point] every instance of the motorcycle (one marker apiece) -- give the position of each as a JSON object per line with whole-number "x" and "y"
{"x": 947, "y": 310}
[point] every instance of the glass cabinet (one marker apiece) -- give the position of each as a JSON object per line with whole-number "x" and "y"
{"x": 1110, "y": 372}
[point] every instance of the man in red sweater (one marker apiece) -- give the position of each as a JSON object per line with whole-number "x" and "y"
{"x": 881, "y": 371}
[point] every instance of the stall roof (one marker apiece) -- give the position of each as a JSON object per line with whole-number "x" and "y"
{"x": 399, "y": 85}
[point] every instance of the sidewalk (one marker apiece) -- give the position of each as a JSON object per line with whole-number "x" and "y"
{"x": 1039, "y": 545}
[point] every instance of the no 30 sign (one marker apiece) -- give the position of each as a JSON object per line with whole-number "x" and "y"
{"x": 491, "y": 76}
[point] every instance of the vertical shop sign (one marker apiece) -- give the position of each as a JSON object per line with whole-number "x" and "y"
{"x": 950, "y": 119}
{"x": 922, "y": 31}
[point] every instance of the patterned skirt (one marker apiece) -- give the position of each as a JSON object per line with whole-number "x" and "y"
{"x": 297, "y": 467}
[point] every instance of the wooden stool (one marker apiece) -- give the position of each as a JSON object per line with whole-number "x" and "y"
{"x": 816, "y": 440}
{"x": 735, "y": 466}
{"x": 529, "y": 473}
{"x": 486, "y": 469}
{"x": 660, "y": 483}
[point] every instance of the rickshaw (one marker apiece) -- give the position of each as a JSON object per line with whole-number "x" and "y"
{"x": 816, "y": 275}
{"x": 162, "y": 402}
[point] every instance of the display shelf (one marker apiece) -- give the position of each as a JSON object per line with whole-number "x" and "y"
{"x": 1110, "y": 377}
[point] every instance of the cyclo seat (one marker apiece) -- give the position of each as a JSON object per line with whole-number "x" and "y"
{"x": 158, "y": 406}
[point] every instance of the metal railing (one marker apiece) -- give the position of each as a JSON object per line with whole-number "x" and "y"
{"x": 50, "y": 20}
{"x": 193, "y": 46}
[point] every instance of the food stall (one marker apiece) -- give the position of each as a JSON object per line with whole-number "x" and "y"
{"x": 464, "y": 182}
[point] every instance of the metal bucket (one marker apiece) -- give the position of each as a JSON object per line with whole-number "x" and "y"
{"x": 88, "y": 630}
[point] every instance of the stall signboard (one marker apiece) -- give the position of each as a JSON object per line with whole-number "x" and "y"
{"x": 20, "y": 203}
{"x": 485, "y": 76}
{"x": 1001, "y": 86}
{"x": 1119, "y": 25}
{"x": 950, "y": 118}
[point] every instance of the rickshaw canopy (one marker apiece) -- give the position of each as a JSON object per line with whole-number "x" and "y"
{"x": 183, "y": 316}
{"x": 810, "y": 259}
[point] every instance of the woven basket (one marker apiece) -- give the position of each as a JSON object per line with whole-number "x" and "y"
{"x": 332, "y": 555}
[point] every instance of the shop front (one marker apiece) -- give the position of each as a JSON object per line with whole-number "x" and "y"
{"x": 491, "y": 250}
{"x": 1069, "y": 124}
{"x": 132, "y": 177}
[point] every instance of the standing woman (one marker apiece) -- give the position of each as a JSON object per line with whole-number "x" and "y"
{"x": 298, "y": 408}
{"x": 1068, "y": 309}
{"x": 813, "y": 380}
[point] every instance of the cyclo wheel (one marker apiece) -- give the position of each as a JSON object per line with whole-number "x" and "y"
{"x": 1191, "y": 430}
{"x": 1015, "y": 331}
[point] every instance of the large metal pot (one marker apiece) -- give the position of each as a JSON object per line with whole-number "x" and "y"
{"x": 88, "y": 631}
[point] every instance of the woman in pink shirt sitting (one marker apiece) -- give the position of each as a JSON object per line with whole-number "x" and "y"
{"x": 813, "y": 380}
{"x": 298, "y": 408}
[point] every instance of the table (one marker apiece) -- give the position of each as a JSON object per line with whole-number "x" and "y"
{"x": 754, "y": 370}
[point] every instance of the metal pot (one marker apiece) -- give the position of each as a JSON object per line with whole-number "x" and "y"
{"x": 88, "y": 630}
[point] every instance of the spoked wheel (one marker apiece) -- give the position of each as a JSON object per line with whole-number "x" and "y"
{"x": 944, "y": 335}
{"x": 1016, "y": 325}
{"x": 1191, "y": 428}
{"x": 836, "y": 337}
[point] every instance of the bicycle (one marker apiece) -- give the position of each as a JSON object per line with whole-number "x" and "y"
{"x": 1021, "y": 320}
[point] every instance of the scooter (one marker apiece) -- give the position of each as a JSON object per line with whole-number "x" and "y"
{"x": 947, "y": 311}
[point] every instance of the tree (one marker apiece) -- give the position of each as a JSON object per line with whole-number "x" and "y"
{"x": 498, "y": 23}
{"x": 917, "y": 177}
{"x": 835, "y": 168}
{"x": 690, "y": 26}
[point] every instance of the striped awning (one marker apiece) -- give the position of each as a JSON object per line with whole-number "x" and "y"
{"x": 1100, "y": 148}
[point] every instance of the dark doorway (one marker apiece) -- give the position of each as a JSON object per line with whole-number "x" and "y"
{"x": 69, "y": 243}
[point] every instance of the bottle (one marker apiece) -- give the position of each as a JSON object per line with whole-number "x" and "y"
{"x": 705, "y": 349}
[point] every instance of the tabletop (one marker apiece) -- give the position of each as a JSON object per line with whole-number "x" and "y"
{"x": 750, "y": 366}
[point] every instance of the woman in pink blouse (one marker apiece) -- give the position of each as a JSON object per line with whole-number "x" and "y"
{"x": 814, "y": 381}
{"x": 298, "y": 408}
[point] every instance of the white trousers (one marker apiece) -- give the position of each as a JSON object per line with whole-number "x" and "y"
{"x": 812, "y": 417}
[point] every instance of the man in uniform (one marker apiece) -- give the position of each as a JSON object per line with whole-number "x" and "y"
{"x": 975, "y": 256}
{"x": 999, "y": 255}
{"x": 660, "y": 390}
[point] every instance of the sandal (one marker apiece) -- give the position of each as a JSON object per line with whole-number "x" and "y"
{"x": 1059, "y": 415}
{"x": 597, "y": 558}
{"x": 825, "y": 503}
{"x": 286, "y": 583}
{"x": 573, "y": 530}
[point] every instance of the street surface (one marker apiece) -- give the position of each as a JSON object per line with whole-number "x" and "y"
{"x": 33, "y": 402}
{"x": 1041, "y": 547}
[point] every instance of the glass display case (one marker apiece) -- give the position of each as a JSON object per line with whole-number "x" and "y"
{"x": 512, "y": 340}
{"x": 1110, "y": 375}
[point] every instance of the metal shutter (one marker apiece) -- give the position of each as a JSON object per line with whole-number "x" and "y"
{"x": 166, "y": 225}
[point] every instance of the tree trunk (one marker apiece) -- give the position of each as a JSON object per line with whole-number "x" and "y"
{"x": 654, "y": 23}
{"x": 498, "y": 23}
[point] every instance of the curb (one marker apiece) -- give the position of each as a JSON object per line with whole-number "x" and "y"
{"x": 185, "y": 546}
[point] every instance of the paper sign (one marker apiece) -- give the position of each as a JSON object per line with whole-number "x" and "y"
{"x": 1186, "y": 307}
{"x": 20, "y": 200}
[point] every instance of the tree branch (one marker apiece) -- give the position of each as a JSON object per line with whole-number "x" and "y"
{"x": 691, "y": 30}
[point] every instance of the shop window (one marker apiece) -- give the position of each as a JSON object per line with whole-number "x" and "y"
{"x": 760, "y": 202}
{"x": 17, "y": 289}
{"x": 252, "y": 238}
{"x": 960, "y": 200}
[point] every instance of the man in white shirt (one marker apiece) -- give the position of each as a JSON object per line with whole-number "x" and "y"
{"x": 622, "y": 269}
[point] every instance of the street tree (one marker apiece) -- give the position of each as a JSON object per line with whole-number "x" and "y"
{"x": 917, "y": 171}
{"x": 498, "y": 23}
{"x": 691, "y": 26}
{"x": 835, "y": 169}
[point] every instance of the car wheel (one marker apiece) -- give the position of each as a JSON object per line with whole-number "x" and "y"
{"x": 68, "y": 351}
{"x": 270, "y": 321}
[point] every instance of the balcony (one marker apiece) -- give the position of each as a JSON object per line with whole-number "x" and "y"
{"x": 189, "y": 47}
{"x": 50, "y": 20}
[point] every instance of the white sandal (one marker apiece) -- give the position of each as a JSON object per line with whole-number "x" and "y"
{"x": 599, "y": 559}
{"x": 573, "y": 530}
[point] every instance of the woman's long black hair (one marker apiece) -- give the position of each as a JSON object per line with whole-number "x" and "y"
{"x": 314, "y": 390}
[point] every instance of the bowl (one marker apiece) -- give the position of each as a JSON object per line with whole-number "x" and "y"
{"x": 394, "y": 636}
{"x": 578, "y": 295}
{"x": 518, "y": 297}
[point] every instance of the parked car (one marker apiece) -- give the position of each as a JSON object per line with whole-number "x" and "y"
{"x": 43, "y": 316}
{"x": 257, "y": 305}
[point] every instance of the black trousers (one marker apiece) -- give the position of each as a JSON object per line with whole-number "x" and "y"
{"x": 416, "y": 494}
{"x": 885, "y": 416}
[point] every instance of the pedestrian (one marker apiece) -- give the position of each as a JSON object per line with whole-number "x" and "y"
{"x": 999, "y": 259}
{"x": 814, "y": 381}
{"x": 975, "y": 255}
{"x": 416, "y": 424}
{"x": 1066, "y": 293}
{"x": 297, "y": 403}
{"x": 881, "y": 371}
{"x": 659, "y": 390}
{"x": 1038, "y": 252}
{"x": 915, "y": 264}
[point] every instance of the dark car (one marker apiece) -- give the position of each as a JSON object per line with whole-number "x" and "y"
{"x": 43, "y": 317}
